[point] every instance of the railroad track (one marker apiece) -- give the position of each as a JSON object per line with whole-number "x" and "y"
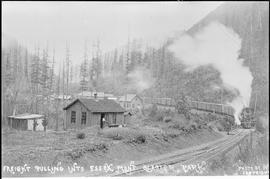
{"x": 202, "y": 152}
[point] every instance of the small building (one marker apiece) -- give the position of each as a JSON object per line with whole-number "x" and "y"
{"x": 99, "y": 95}
{"x": 26, "y": 122}
{"x": 61, "y": 97}
{"x": 91, "y": 94}
{"x": 112, "y": 98}
{"x": 89, "y": 112}
{"x": 131, "y": 102}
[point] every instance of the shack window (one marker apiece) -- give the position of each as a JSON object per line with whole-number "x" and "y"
{"x": 73, "y": 116}
{"x": 83, "y": 121}
{"x": 114, "y": 118}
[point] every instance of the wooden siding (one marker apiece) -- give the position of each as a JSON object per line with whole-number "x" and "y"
{"x": 135, "y": 103}
{"x": 20, "y": 124}
{"x": 78, "y": 108}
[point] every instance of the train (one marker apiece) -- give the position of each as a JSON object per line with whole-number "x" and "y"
{"x": 246, "y": 117}
{"x": 205, "y": 106}
{"x": 212, "y": 107}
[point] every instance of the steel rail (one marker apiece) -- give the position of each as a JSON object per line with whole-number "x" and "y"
{"x": 184, "y": 157}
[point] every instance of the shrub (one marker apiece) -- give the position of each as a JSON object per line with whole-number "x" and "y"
{"x": 44, "y": 124}
{"x": 159, "y": 117}
{"x": 211, "y": 117}
{"x": 80, "y": 135}
{"x": 176, "y": 126}
{"x": 193, "y": 126}
{"x": 165, "y": 137}
{"x": 140, "y": 139}
{"x": 153, "y": 111}
{"x": 173, "y": 135}
{"x": 121, "y": 133}
{"x": 167, "y": 119}
{"x": 182, "y": 106}
{"x": 79, "y": 152}
{"x": 117, "y": 137}
{"x": 229, "y": 122}
{"x": 96, "y": 147}
{"x": 75, "y": 154}
{"x": 102, "y": 147}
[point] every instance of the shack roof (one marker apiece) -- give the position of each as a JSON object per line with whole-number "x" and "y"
{"x": 27, "y": 116}
{"x": 99, "y": 105}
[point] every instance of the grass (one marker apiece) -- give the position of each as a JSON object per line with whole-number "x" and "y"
{"x": 123, "y": 132}
{"x": 79, "y": 152}
{"x": 145, "y": 137}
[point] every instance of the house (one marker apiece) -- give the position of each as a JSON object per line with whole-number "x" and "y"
{"x": 131, "y": 102}
{"x": 85, "y": 112}
{"x": 99, "y": 95}
{"x": 91, "y": 94}
{"x": 61, "y": 97}
{"x": 26, "y": 122}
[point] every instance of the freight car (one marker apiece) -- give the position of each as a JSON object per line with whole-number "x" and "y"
{"x": 212, "y": 107}
{"x": 246, "y": 116}
{"x": 164, "y": 103}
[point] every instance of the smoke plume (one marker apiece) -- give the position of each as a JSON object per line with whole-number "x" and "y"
{"x": 140, "y": 79}
{"x": 218, "y": 46}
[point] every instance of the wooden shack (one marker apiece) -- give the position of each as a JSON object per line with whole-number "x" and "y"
{"x": 26, "y": 121}
{"x": 131, "y": 102}
{"x": 89, "y": 112}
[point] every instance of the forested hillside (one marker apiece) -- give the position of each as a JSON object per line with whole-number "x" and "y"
{"x": 251, "y": 22}
{"x": 28, "y": 76}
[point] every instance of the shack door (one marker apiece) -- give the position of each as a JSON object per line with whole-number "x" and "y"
{"x": 102, "y": 116}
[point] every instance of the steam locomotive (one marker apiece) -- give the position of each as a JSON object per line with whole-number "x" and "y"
{"x": 247, "y": 118}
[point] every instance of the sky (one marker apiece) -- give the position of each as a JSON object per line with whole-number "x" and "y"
{"x": 55, "y": 23}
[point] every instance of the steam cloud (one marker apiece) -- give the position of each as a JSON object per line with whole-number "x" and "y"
{"x": 218, "y": 46}
{"x": 140, "y": 79}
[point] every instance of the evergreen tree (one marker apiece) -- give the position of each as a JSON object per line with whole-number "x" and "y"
{"x": 26, "y": 65}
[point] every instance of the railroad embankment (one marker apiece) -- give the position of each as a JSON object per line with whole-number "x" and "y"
{"x": 249, "y": 157}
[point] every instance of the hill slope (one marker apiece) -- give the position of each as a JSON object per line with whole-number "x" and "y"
{"x": 251, "y": 21}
